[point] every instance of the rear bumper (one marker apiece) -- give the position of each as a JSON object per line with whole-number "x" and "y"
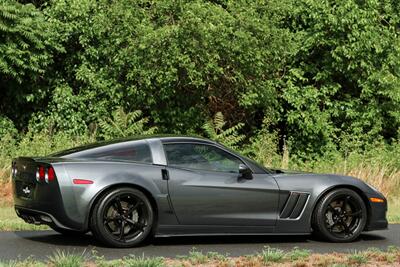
{"x": 39, "y": 217}
{"x": 44, "y": 204}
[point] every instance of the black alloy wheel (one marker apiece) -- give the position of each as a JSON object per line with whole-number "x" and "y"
{"x": 123, "y": 218}
{"x": 340, "y": 216}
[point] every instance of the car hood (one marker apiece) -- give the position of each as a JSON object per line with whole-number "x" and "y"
{"x": 284, "y": 171}
{"x": 303, "y": 180}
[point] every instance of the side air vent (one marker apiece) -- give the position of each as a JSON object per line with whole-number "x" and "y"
{"x": 294, "y": 205}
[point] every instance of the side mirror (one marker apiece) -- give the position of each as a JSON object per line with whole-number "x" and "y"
{"x": 245, "y": 172}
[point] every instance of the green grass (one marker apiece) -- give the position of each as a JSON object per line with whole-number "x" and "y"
{"x": 23, "y": 263}
{"x": 198, "y": 257}
{"x": 66, "y": 259}
{"x": 268, "y": 256}
{"x": 298, "y": 254}
{"x": 131, "y": 261}
{"x": 394, "y": 211}
{"x": 357, "y": 258}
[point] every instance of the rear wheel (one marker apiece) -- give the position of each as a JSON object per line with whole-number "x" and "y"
{"x": 340, "y": 216}
{"x": 123, "y": 217}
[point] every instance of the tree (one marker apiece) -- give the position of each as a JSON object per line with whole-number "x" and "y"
{"x": 26, "y": 41}
{"x": 345, "y": 78}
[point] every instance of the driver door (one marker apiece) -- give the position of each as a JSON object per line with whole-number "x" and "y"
{"x": 206, "y": 189}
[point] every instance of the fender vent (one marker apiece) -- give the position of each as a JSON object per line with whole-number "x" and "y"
{"x": 294, "y": 205}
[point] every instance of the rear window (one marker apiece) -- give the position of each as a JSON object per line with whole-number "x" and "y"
{"x": 138, "y": 151}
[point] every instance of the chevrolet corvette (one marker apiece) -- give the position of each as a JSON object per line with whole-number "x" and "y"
{"x": 126, "y": 191}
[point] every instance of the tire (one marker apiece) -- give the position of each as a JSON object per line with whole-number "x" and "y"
{"x": 340, "y": 216}
{"x": 123, "y": 217}
{"x": 66, "y": 231}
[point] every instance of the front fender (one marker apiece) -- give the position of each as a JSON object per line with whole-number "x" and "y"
{"x": 316, "y": 185}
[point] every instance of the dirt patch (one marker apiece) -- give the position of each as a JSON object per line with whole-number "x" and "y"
{"x": 6, "y": 193}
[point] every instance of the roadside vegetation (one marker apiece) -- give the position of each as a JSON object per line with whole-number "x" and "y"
{"x": 297, "y": 84}
{"x": 378, "y": 166}
{"x": 267, "y": 257}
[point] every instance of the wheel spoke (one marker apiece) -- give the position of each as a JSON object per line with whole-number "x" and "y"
{"x": 118, "y": 205}
{"x": 346, "y": 228}
{"x": 110, "y": 219}
{"x": 355, "y": 214}
{"x": 133, "y": 207}
{"x": 122, "y": 232}
{"x": 130, "y": 221}
{"x": 137, "y": 225}
{"x": 330, "y": 227}
{"x": 331, "y": 209}
{"x": 345, "y": 202}
{"x": 140, "y": 226}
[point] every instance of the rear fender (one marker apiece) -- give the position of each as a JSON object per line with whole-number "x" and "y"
{"x": 106, "y": 176}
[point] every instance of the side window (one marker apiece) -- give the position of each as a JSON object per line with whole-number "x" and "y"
{"x": 201, "y": 157}
{"x": 136, "y": 151}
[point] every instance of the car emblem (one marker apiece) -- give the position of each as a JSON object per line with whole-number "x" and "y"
{"x": 26, "y": 190}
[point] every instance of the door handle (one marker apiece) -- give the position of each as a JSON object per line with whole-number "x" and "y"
{"x": 164, "y": 174}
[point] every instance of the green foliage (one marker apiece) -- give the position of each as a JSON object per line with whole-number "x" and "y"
{"x": 66, "y": 259}
{"x": 7, "y": 127}
{"x": 24, "y": 37}
{"x": 35, "y": 144}
{"x": 196, "y": 257}
{"x": 326, "y": 73}
{"x": 65, "y": 113}
{"x": 131, "y": 261}
{"x": 269, "y": 255}
{"x": 298, "y": 254}
{"x": 215, "y": 129}
{"x": 176, "y": 61}
{"x": 27, "y": 43}
{"x": 357, "y": 258}
{"x": 125, "y": 124}
{"x": 345, "y": 79}
{"x": 29, "y": 262}
{"x": 263, "y": 147}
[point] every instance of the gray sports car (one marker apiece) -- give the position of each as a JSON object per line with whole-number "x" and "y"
{"x": 125, "y": 191}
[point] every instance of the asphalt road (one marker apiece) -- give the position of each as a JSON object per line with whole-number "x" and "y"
{"x": 41, "y": 244}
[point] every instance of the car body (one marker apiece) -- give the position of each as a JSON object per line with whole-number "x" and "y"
{"x": 195, "y": 186}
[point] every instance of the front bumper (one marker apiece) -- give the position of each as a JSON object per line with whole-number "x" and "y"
{"x": 377, "y": 215}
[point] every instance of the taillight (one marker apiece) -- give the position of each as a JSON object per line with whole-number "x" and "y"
{"x": 40, "y": 174}
{"x": 44, "y": 174}
{"x": 50, "y": 174}
{"x": 14, "y": 169}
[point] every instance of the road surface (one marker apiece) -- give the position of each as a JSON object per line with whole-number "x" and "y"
{"x": 41, "y": 244}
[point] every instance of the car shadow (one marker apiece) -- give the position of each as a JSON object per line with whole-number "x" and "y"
{"x": 53, "y": 238}
{"x": 370, "y": 237}
{"x": 224, "y": 239}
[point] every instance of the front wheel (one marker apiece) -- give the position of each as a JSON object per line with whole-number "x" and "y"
{"x": 123, "y": 217}
{"x": 340, "y": 216}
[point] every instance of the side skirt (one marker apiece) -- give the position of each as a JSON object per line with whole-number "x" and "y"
{"x": 213, "y": 230}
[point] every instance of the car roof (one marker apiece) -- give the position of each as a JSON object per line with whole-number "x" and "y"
{"x": 120, "y": 141}
{"x": 177, "y": 138}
